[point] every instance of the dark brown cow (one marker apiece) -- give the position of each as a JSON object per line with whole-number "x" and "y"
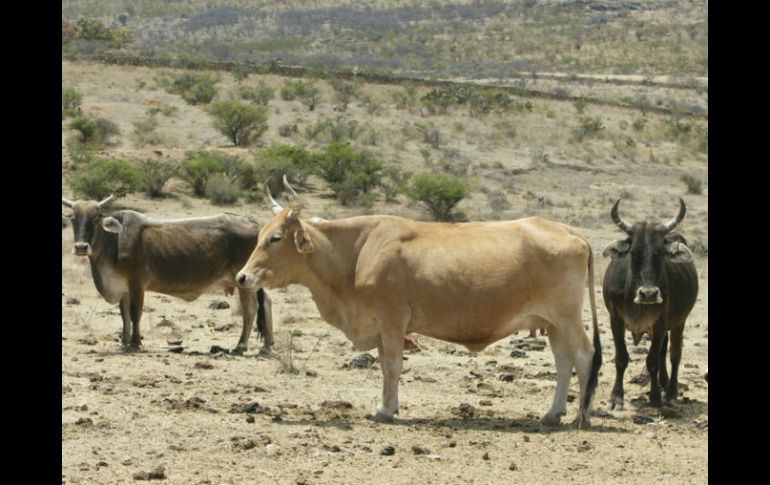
{"x": 650, "y": 287}
{"x": 131, "y": 253}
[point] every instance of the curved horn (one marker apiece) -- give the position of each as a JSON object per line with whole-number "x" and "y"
{"x": 67, "y": 202}
{"x": 670, "y": 225}
{"x": 619, "y": 220}
{"x": 289, "y": 187}
{"x": 275, "y": 206}
{"x": 105, "y": 201}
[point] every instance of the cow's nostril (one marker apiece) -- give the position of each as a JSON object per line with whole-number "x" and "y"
{"x": 242, "y": 279}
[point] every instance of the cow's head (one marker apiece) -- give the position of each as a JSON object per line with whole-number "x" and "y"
{"x": 87, "y": 217}
{"x": 647, "y": 246}
{"x": 280, "y": 254}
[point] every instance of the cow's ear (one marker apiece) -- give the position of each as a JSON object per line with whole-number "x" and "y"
{"x": 617, "y": 249}
{"x": 678, "y": 252}
{"x": 303, "y": 242}
{"x": 110, "y": 224}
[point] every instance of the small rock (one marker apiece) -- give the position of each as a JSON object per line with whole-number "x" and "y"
{"x": 506, "y": 377}
{"x": 250, "y": 419}
{"x": 84, "y": 422}
{"x": 90, "y": 340}
{"x": 682, "y": 386}
{"x": 584, "y": 446}
{"x": 272, "y": 449}
{"x": 174, "y": 342}
{"x": 363, "y": 361}
{"x": 513, "y": 466}
{"x": 465, "y": 411}
{"x": 166, "y": 323}
{"x": 249, "y": 408}
{"x": 176, "y": 350}
{"x": 388, "y": 451}
{"x": 526, "y": 439}
{"x": 217, "y": 349}
{"x": 485, "y": 456}
{"x": 641, "y": 379}
{"x": 219, "y": 305}
{"x": 336, "y": 405}
{"x": 641, "y": 418}
{"x": 311, "y": 373}
{"x": 485, "y": 402}
{"x": 204, "y": 365}
{"x": 419, "y": 450}
{"x": 73, "y": 301}
{"x": 158, "y": 473}
{"x": 518, "y": 354}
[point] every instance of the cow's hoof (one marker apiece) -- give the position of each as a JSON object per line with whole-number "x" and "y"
{"x": 581, "y": 422}
{"x": 265, "y": 351}
{"x": 550, "y": 420}
{"x": 237, "y": 351}
{"x": 616, "y": 403}
{"x": 382, "y": 418}
{"x": 132, "y": 349}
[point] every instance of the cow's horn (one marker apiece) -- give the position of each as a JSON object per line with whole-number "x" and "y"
{"x": 105, "y": 201}
{"x": 67, "y": 202}
{"x": 275, "y": 206}
{"x": 670, "y": 225}
{"x": 289, "y": 187}
{"x": 619, "y": 220}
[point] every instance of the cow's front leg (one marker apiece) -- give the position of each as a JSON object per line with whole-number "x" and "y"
{"x": 653, "y": 361}
{"x": 265, "y": 315}
{"x": 248, "y": 301}
{"x": 391, "y": 352}
{"x": 621, "y": 360}
{"x": 137, "y": 304}
{"x": 125, "y": 314}
{"x": 672, "y": 391}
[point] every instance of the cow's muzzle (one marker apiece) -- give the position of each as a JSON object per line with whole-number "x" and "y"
{"x": 246, "y": 281}
{"x": 648, "y": 295}
{"x": 81, "y": 249}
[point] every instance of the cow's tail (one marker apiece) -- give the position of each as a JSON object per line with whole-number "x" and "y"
{"x": 261, "y": 318}
{"x": 596, "y": 363}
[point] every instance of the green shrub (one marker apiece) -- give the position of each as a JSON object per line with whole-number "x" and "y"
{"x": 430, "y": 134}
{"x": 221, "y": 190}
{"x": 307, "y": 93}
{"x": 194, "y": 88}
{"x": 393, "y": 182}
{"x": 348, "y": 171}
{"x": 81, "y": 153}
{"x": 198, "y": 167}
{"x": 344, "y": 92}
{"x": 694, "y": 185}
{"x": 97, "y": 131}
{"x": 241, "y": 123}
{"x": 154, "y": 175}
{"x": 439, "y": 193}
{"x": 261, "y": 94}
{"x": 100, "y": 178}
{"x": 287, "y": 130}
{"x": 580, "y": 105}
{"x": 588, "y": 127}
{"x": 144, "y": 131}
{"x": 70, "y": 102}
{"x": 291, "y": 160}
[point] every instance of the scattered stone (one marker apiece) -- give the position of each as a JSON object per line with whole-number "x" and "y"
{"x": 90, "y": 340}
{"x": 465, "y": 411}
{"x": 506, "y": 377}
{"x": 670, "y": 413}
{"x": 85, "y": 422}
{"x": 388, "y": 451}
{"x": 526, "y": 439}
{"x": 336, "y": 405}
{"x": 682, "y": 386}
{"x": 425, "y": 379}
{"x": 518, "y": 354}
{"x": 204, "y": 365}
{"x": 272, "y": 449}
{"x": 584, "y": 446}
{"x": 219, "y": 305}
{"x": 513, "y": 466}
{"x": 641, "y": 418}
{"x": 217, "y": 349}
{"x": 176, "y": 350}
{"x": 641, "y": 379}
{"x": 485, "y": 402}
{"x": 158, "y": 473}
{"x": 311, "y": 373}
{"x": 73, "y": 301}
{"x": 419, "y": 450}
{"x": 166, "y": 323}
{"x": 485, "y": 456}
{"x": 363, "y": 361}
{"x": 250, "y": 419}
{"x": 250, "y": 408}
{"x": 101, "y": 464}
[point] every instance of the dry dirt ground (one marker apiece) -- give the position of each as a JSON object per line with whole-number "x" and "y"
{"x": 465, "y": 417}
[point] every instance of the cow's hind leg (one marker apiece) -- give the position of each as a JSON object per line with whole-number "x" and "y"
{"x": 137, "y": 304}
{"x": 248, "y": 301}
{"x": 125, "y": 314}
{"x": 653, "y": 362}
{"x": 564, "y": 358}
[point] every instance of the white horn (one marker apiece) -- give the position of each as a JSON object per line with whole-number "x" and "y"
{"x": 289, "y": 187}
{"x": 105, "y": 201}
{"x": 276, "y": 207}
{"x": 67, "y": 202}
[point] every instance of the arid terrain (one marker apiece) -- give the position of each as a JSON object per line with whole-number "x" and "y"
{"x": 299, "y": 416}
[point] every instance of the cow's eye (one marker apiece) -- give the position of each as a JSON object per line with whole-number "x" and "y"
{"x": 275, "y": 238}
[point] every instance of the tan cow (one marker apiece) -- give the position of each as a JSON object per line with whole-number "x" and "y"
{"x": 378, "y": 277}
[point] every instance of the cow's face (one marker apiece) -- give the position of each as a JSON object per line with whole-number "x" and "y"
{"x": 280, "y": 253}
{"x": 646, "y": 248}
{"x": 87, "y": 218}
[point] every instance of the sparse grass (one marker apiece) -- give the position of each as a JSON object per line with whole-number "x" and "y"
{"x": 693, "y": 184}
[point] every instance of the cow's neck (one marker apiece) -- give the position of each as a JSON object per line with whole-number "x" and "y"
{"x": 103, "y": 257}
